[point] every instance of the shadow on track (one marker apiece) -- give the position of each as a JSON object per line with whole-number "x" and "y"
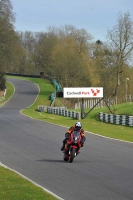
{"x": 50, "y": 160}
{"x": 61, "y": 161}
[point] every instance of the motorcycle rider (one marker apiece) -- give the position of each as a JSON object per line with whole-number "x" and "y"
{"x": 78, "y": 126}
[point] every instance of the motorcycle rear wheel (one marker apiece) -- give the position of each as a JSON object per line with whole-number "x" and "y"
{"x": 72, "y": 155}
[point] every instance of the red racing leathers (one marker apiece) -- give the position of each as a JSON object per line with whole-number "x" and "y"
{"x": 67, "y": 136}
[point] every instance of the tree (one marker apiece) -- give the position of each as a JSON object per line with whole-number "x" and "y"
{"x": 43, "y": 48}
{"x": 6, "y": 37}
{"x": 121, "y": 45}
{"x": 70, "y": 56}
{"x": 81, "y": 36}
{"x": 73, "y": 67}
{"x": 27, "y": 43}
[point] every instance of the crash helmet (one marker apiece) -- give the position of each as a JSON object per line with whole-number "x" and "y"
{"x": 78, "y": 125}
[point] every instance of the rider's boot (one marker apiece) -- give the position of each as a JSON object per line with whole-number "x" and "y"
{"x": 66, "y": 148}
{"x": 63, "y": 146}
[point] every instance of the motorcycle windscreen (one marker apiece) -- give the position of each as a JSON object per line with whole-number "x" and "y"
{"x": 76, "y": 135}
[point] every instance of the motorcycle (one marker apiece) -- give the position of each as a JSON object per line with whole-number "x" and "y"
{"x": 74, "y": 143}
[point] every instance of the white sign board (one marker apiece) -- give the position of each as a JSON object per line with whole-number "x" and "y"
{"x": 87, "y": 92}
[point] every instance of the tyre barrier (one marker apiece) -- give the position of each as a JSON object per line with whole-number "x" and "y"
{"x": 116, "y": 119}
{"x": 63, "y": 112}
{"x": 42, "y": 108}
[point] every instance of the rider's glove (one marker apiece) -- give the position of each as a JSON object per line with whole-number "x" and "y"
{"x": 82, "y": 130}
{"x": 84, "y": 138}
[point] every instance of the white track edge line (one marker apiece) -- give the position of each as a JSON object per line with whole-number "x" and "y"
{"x": 48, "y": 191}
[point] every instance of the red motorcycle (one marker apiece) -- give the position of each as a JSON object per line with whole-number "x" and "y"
{"x": 74, "y": 143}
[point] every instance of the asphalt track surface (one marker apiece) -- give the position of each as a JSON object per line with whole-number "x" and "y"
{"x": 102, "y": 171}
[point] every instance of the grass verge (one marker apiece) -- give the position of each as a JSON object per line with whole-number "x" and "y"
{"x": 13, "y": 187}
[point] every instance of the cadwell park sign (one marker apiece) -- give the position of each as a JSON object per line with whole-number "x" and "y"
{"x": 86, "y": 92}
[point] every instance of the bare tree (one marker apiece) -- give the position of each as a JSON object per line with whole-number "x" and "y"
{"x": 121, "y": 44}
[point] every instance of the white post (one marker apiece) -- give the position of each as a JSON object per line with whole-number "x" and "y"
{"x": 127, "y": 79}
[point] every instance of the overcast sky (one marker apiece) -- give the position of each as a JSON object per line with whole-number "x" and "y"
{"x": 96, "y": 16}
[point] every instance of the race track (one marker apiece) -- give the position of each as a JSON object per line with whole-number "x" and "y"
{"x": 102, "y": 171}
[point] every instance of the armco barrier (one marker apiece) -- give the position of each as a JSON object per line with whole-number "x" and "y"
{"x": 63, "y": 112}
{"x": 116, "y": 119}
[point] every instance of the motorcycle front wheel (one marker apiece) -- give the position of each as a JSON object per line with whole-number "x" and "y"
{"x": 72, "y": 155}
{"x": 65, "y": 159}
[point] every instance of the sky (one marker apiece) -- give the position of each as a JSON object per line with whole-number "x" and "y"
{"x": 95, "y": 16}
